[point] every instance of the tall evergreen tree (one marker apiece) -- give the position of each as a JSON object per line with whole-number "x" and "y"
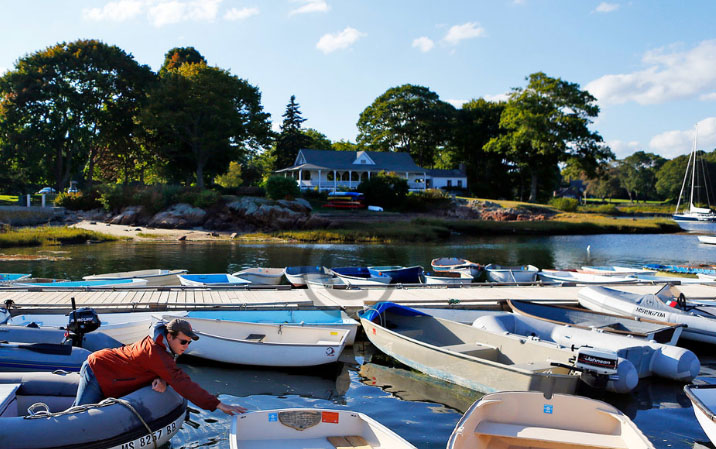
{"x": 291, "y": 139}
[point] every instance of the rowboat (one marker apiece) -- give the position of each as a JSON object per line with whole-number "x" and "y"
{"x": 398, "y": 274}
{"x": 683, "y": 269}
{"x": 447, "y": 278}
{"x": 703, "y": 399}
{"x": 614, "y": 270}
{"x": 154, "y": 277}
{"x": 320, "y": 318}
{"x": 262, "y": 276}
{"x": 523, "y": 273}
{"x": 664, "y": 306}
{"x": 467, "y": 356}
{"x": 637, "y": 357}
{"x": 573, "y": 277}
{"x": 311, "y": 428}
{"x": 264, "y": 344}
{"x": 360, "y": 277}
{"x": 456, "y": 264}
{"x": 140, "y": 419}
{"x": 211, "y": 280}
{"x": 297, "y": 275}
{"x": 659, "y": 331}
{"x": 108, "y": 283}
{"x": 12, "y": 277}
{"x": 530, "y": 419}
{"x": 708, "y": 239}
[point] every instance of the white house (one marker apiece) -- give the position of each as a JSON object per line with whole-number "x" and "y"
{"x": 331, "y": 170}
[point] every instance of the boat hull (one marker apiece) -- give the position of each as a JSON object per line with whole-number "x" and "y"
{"x": 264, "y": 344}
{"x": 511, "y": 275}
{"x": 311, "y": 428}
{"x": 154, "y": 278}
{"x": 703, "y": 399}
{"x": 261, "y": 276}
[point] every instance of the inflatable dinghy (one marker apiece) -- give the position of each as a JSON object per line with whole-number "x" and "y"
{"x": 142, "y": 419}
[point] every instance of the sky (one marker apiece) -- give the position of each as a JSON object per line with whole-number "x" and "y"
{"x": 651, "y": 64}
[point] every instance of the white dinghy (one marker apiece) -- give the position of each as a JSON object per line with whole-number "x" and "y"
{"x": 447, "y": 278}
{"x": 310, "y": 428}
{"x": 264, "y": 344}
{"x": 261, "y": 276}
{"x": 574, "y": 277}
{"x": 154, "y": 278}
{"x": 511, "y": 275}
{"x": 530, "y": 419}
{"x": 703, "y": 398}
{"x": 666, "y": 305}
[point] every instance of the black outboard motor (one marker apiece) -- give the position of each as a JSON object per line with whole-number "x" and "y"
{"x": 81, "y": 321}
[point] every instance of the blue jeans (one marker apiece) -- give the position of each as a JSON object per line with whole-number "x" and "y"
{"x": 88, "y": 391}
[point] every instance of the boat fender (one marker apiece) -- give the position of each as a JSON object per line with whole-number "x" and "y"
{"x": 675, "y": 363}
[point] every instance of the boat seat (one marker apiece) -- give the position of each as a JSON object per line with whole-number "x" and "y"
{"x": 411, "y": 333}
{"x": 349, "y": 442}
{"x": 537, "y": 367}
{"x": 474, "y": 350}
{"x": 552, "y": 437}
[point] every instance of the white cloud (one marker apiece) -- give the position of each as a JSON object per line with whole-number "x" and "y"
{"x": 240, "y": 14}
{"x": 668, "y": 75}
{"x": 622, "y": 149}
{"x": 459, "y": 33}
{"x": 158, "y": 12}
{"x": 711, "y": 96}
{"x": 311, "y": 6}
{"x": 677, "y": 142}
{"x": 497, "y": 98}
{"x": 424, "y": 44}
{"x": 457, "y": 103}
{"x": 115, "y": 11}
{"x": 338, "y": 41}
{"x": 605, "y": 7}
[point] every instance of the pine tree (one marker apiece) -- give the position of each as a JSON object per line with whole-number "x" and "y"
{"x": 291, "y": 139}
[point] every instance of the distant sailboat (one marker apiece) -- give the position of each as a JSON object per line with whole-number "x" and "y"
{"x": 696, "y": 172}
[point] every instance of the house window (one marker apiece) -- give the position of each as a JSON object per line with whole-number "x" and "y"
{"x": 306, "y": 175}
{"x": 362, "y": 161}
{"x": 449, "y": 184}
{"x": 459, "y": 182}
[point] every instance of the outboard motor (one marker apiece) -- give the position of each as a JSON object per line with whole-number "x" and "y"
{"x": 81, "y": 321}
{"x": 605, "y": 370}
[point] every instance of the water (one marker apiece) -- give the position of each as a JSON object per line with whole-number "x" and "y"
{"x": 422, "y": 410}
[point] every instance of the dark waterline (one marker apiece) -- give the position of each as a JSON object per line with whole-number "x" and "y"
{"x": 418, "y": 408}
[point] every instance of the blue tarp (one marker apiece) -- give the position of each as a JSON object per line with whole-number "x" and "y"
{"x": 381, "y": 307}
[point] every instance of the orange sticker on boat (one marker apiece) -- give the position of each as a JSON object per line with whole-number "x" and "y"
{"x": 373, "y": 331}
{"x": 330, "y": 417}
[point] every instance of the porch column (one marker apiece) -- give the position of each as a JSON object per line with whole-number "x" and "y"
{"x": 407, "y": 179}
{"x": 300, "y": 175}
{"x": 319, "y": 181}
{"x": 335, "y": 182}
{"x": 368, "y": 174}
{"x": 350, "y": 179}
{"x": 425, "y": 181}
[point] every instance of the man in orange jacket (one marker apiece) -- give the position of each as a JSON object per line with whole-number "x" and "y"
{"x": 120, "y": 371}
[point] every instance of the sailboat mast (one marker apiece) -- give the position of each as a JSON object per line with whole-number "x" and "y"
{"x": 693, "y": 170}
{"x": 683, "y": 183}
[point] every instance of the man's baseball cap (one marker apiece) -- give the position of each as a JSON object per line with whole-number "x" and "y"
{"x": 178, "y": 325}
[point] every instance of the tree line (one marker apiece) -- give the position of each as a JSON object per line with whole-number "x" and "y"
{"x": 88, "y": 111}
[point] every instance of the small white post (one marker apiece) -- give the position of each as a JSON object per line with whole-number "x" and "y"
{"x": 43, "y": 200}
{"x": 28, "y": 200}
{"x": 300, "y": 176}
{"x": 319, "y": 180}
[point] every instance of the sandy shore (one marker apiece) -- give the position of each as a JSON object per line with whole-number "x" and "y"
{"x": 145, "y": 233}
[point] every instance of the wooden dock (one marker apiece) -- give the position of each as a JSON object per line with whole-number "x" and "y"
{"x": 352, "y": 300}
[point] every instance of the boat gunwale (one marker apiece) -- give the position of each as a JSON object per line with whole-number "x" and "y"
{"x": 697, "y": 402}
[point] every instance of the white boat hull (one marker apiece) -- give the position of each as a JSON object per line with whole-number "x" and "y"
{"x": 154, "y": 278}
{"x": 708, "y": 239}
{"x": 508, "y": 275}
{"x": 264, "y": 344}
{"x": 311, "y": 428}
{"x": 261, "y": 276}
{"x": 703, "y": 399}
{"x": 527, "y": 419}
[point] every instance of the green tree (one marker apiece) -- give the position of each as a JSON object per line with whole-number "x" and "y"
{"x": 200, "y": 118}
{"x": 547, "y": 123}
{"x": 174, "y": 58}
{"x": 279, "y": 187}
{"x": 637, "y": 174}
{"x": 387, "y": 190}
{"x": 317, "y": 140}
{"x": 605, "y": 184}
{"x": 291, "y": 139}
{"x": 344, "y": 145}
{"x": 61, "y": 105}
{"x": 477, "y": 122}
{"x": 232, "y": 178}
{"x": 407, "y": 118}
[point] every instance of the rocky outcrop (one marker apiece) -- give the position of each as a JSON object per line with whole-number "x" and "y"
{"x": 178, "y": 216}
{"x": 486, "y": 210}
{"x": 132, "y": 215}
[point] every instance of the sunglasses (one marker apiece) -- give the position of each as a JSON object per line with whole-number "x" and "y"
{"x": 182, "y": 341}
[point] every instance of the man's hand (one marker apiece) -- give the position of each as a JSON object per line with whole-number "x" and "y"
{"x": 231, "y": 409}
{"x": 159, "y": 385}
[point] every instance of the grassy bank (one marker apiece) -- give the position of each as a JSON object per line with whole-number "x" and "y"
{"x": 50, "y": 235}
{"x": 433, "y": 230}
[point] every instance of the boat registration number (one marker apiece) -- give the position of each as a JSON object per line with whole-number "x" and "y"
{"x": 161, "y": 435}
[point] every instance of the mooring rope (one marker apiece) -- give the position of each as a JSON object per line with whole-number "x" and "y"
{"x": 41, "y": 410}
